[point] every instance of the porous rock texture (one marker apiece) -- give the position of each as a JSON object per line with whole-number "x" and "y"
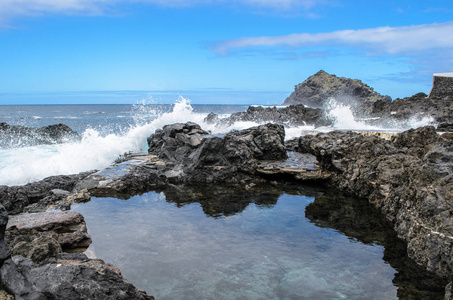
{"x": 410, "y": 179}
{"x": 42, "y": 236}
{"x": 38, "y": 195}
{"x": 230, "y": 158}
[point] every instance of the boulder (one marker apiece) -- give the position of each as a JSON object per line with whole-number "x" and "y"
{"x": 42, "y": 236}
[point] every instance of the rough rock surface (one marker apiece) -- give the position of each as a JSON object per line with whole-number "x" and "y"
{"x": 37, "y": 196}
{"x": 42, "y": 236}
{"x": 78, "y": 277}
{"x": 293, "y": 115}
{"x": 420, "y": 105}
{"x": 317, "y": 90}
{"x": 410, "y": 179}
{"x": 21, "y": 136}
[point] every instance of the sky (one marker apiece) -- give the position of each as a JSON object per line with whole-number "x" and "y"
{"x": 59, "y": 46}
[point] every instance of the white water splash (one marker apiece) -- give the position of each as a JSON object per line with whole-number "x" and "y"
{"x": 343, "y": 119}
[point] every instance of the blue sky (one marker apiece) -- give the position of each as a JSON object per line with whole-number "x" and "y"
{"x": 254, "y": 45}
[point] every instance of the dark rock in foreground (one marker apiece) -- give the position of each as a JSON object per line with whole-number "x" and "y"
{"x": 318, "y": 89}
{"x": 21, "y": 136}
{"x": 70, "y": 276}
{"x": 77, "y": 277}
{"x": 42, "y": 236}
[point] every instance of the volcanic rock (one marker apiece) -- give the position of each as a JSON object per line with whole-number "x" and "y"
{"x": 79, "y": 278}
{"x": 293, "y": 115}
{"x": 318, "y": 89}
{"x": 37, "y": 196}
{"x": 42, "y": 236}
{"x": 409, "y": 179}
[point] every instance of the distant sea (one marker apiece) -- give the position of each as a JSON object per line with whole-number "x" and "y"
{"x": 213, "y": 96}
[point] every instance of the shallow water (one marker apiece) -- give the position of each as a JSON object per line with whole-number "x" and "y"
{"x": 266, "y": 243}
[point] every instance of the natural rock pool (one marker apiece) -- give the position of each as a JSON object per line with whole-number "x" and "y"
{"x": 259, "y": 242}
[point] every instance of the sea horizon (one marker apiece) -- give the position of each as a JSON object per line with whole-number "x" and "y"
{"x": 119, "y": 97}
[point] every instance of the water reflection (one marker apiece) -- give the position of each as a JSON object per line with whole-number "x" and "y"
{"x": 363, "y": 223}
{"x": 264, "y": 242}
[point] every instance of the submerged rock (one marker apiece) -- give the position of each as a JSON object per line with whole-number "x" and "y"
{"x": 21, "y": 136}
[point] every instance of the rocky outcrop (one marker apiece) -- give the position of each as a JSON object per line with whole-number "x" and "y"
{"x": 293, "y": 115}
{"x": 21, "y": 136}
{"x": 408, "y": 178}
{"x": 420, "y": 105}
{"x": 318, "y": 89}
{"x": 37, "y": 196}
{"x": 230, "y": 158}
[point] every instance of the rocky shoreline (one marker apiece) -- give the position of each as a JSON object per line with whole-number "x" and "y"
{"x": 408, "y": 178}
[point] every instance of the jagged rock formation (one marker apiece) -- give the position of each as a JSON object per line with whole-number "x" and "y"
{"x": 293, "y": 115}
{"x": 408, "y": 178}
{"x": 420, "y": 105}
{"x": 316, "y": 91}
{"x": 21, "y": 136}
{"x": 38, "y": 195}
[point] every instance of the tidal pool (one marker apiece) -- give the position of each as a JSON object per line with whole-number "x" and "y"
{"x": 261, "y": 243}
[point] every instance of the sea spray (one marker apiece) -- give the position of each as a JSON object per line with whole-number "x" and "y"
{"x": 343, "y": 119}
{"x": 96, "y": 149}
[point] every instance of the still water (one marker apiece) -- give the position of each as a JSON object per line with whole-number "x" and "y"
{"x": 286, "y": 242}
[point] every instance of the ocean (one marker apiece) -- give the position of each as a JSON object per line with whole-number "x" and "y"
{"x": 109, "y": 131}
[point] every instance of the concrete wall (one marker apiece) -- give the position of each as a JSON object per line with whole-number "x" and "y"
{"x": 442, "y": 85}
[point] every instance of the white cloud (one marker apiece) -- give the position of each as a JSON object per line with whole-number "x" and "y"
{"x": 11, "y": 8}
{"x": 390, "y": 40}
